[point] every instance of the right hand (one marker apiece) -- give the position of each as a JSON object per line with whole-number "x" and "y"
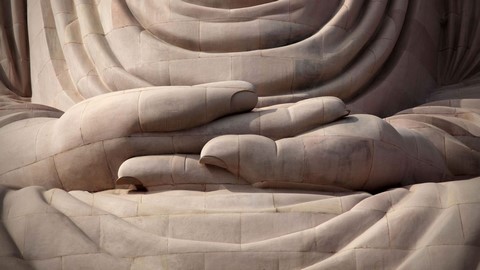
{"x": 84, "y": 148}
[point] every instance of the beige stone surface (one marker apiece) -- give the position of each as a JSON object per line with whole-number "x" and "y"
{"x": 239, "y": 134}
{"x": 415, "y": 230}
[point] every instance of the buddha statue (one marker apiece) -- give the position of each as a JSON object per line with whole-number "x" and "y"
{"x": 258, "y": 96}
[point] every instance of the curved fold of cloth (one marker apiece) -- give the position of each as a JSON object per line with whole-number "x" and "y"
{"x": 431, "y": 226}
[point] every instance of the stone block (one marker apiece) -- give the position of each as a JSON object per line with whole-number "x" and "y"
{"x": 239, "y": 203}
{"x": 115, "y": 205}
{"x": 266, "y": 226}
{"x": 332, "y": 236}
{"x": 95, "y": 261}
{"x": 122, "y": 16}
{"x": 219, "y": 69}
{"x": 10, "y": 145}
{"x": 128, "y": 56}
{"x": 408, "y": 225}
{"x": 293, "y": 242}
{"x": 150, "y": 263}
{"x": 381, "y": 258}
{"x": 193, "y": 261}
{"x": 157, "y": 224}
{"x": 229, "y": 37}
{"x": 343, "y": 161}
{"x": 69, "y": 205}
{"x": 88, "y": 19}
{"x": 52, "y": 235}
{"x": 461, "y": 192}
{"x": 276, "y": 33}
{"x": 282, "y": 199}
{"x": 179, "y": 246}
{"x": 470, "y": 218}
{"x": 223, "y": 228}
{"x": 47, "y": 264}
{"x": 27, "y": 201}
{"x": 388, "y": 167}
{"x": 154, "y": 205}
{"x": 454, "y": 257}
{"x": 299, "y": 260}
{"x": 342, "y": 260}
{"x": 150, "y": 12}
{"x": 8, "y": 248}
{"x": 89, "y": 226}
{"x": 71, "y": 168}
{"x": 349, "y": 201}
{"x": 122, "y": 239}
{"x": 156, "y": 73}
{"x": 376, "y": 237}
{"x": 16, "y": 230}
{"x": 327, "y": 206}
{"x": 314, "y": 13}
{"x": 14, "y": 263}
{"x": 183, "y": 34}
{"x": 243, "y": 260}
{"x": 255, "y": 69}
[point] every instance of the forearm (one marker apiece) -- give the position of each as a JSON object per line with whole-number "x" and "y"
{"x": 20, "y": 162}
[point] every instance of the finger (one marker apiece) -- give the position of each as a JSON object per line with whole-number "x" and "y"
{"x": 160, "y": 109}
{"x": 161, "y": 170}
{"x": 342, "y": 161}
{"x": 255, "y": 157}
{"x": 277, "y": 122}
{"x": 441, "y": 147}
{"x": 182, "y": 108}
{"x": 300, "y": 117}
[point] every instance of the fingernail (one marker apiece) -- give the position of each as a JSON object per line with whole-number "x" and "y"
{"x": 211, "y": 160}
{"x": 222, "y": 152}
{"x": 242, "y": 101}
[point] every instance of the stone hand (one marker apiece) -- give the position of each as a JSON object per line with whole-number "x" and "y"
{"x": 84, "y": 148}
{"x": 275, "y": 123}
{"x": 360, "y": 152}
{"x": 78, "y": 150}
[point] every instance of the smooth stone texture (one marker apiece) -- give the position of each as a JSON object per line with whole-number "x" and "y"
{"x": 208, "y": 134}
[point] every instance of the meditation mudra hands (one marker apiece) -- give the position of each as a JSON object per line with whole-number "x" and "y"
{"x": 302, "y": 145}
{"x": 211, "y": 133}
{"x": 359, "y": 152}
{"x": 84, "y": 148}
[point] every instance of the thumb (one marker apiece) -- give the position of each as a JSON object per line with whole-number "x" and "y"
{"x": 256, "y": 158}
